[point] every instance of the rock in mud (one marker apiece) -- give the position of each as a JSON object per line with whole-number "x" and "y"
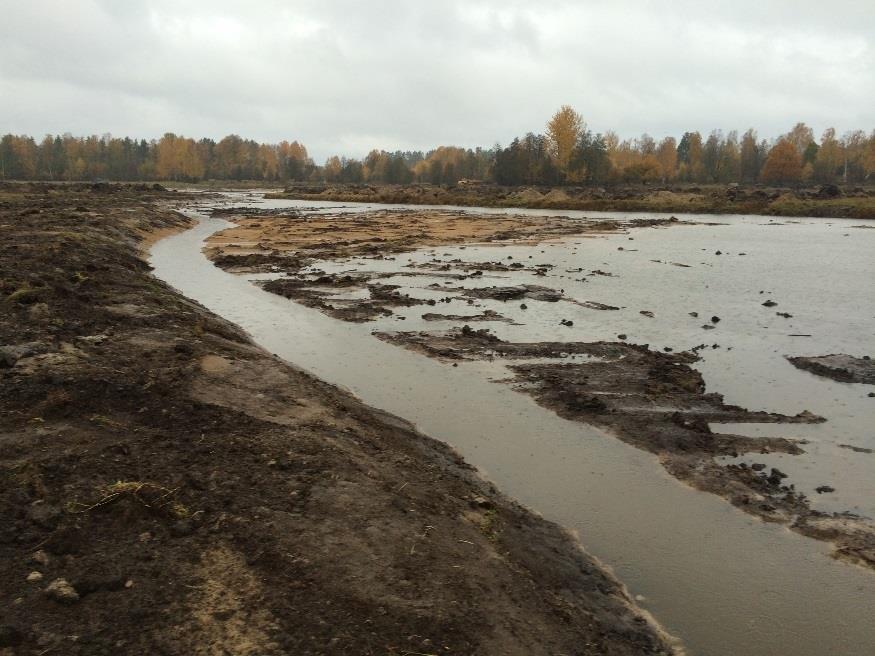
{"x": 61, "y": 591}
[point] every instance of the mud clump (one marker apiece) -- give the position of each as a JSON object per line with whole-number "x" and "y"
{"x": 533, "y": 292}
{"x": 259, "y": 263}
{"x": 840, "y": 367}
{"x": 486, "y": 315}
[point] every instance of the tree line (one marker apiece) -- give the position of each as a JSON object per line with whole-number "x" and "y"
{"x": 172, "y": 157}
{"x": 567, "y": 153}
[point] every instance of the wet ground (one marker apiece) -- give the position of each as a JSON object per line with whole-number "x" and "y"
{"x": 655, "y": 278}
{"x": 663, "y": 287}
{"x": 168, "y": 487}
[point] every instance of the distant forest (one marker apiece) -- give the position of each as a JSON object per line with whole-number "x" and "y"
{"x": 567, "y": 153}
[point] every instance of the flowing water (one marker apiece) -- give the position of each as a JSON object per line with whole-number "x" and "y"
{"x": 722, "y": 581}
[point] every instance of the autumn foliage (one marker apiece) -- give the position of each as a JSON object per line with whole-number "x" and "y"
{"x": 567, "y": 153}
{"x": 783, "y": 165}
{"x": 172, "y": 157}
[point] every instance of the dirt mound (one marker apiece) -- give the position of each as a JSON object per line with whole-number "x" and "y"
{"x": 556, "y": 196}
{"x": 528, "y": 195}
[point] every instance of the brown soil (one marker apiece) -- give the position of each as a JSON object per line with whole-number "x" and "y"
{"x": 177, "y": 490}
{"x": 658, "y": 402}
{"x": 277, "y": 241}
{"x": 820, "y": 200}
{"x": 840, "y": 367}
{"x": 382, "y": 232}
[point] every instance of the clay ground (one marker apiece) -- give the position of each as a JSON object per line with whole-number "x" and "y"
{"x": 169, "y": 488}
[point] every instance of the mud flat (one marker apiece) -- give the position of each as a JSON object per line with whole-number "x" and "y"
{"x": 722, "y": 580}
{"x": 290, "y": 242}
{"x": 657, "y": 402}
{"x": 654, "y": 400}
{"x": 170, "y": 487}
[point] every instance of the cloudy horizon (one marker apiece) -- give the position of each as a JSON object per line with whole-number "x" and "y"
{"x": 344, "y": 78}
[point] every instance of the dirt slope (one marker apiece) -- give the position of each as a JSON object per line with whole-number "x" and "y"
{"x": 168, "y": 488}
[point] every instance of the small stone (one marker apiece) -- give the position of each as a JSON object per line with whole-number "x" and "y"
{"x": 621, "y": 336}
{"x": 40, "y": 558}
{"x": 61, "y": 591}
{"x": 769, "y": 303}
{"x": 715, "y": 319}
{"x": 482, "y": 502}
{"x": 129, "y": 584}
{"x": 33, "y": 577}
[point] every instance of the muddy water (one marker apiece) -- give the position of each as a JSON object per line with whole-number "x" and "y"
{"x": 722, "y": 581}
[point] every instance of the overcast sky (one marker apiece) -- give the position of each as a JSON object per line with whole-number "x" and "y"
{"x": 343, "y": 77}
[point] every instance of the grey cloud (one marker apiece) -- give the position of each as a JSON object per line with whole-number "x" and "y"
{"x": 346, "y": 76}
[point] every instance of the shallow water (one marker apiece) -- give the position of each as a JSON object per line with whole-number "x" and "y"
{"x": 721, "y": 580}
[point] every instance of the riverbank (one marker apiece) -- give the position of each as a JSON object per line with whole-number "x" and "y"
{"x": 170, "y": 487}
{"x": 814, "y": 201}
